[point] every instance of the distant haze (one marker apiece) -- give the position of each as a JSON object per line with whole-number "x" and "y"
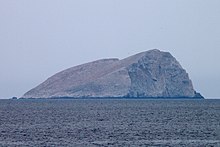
{"x": 40, "y": 38}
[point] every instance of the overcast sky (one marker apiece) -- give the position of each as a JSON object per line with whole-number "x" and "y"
{"x": 42, "y": 37}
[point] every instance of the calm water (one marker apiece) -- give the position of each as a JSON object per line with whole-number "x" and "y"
{"x": 110, "y": 123}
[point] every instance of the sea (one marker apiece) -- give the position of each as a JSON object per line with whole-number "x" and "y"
{"x": 109, "y": 122}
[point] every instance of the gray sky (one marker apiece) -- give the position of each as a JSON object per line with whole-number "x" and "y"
{"x": 42, "y": 37}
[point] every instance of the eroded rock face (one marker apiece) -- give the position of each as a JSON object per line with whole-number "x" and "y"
{"x": 150, "y": 74}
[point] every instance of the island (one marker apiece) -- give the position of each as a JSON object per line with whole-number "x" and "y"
{"x": 151, "y": 74}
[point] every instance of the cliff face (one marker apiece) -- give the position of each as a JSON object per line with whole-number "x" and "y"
{"x": 150, "y": 74}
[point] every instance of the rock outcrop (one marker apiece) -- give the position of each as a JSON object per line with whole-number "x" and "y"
{"x": 150, "y": 74}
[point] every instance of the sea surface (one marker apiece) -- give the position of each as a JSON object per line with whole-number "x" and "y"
{"x": 109, "y": 122}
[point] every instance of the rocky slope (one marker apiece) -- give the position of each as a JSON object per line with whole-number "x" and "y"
{"x": 150, "y": 74}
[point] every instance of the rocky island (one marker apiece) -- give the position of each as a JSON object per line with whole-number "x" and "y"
{"x": 150, "y": 74}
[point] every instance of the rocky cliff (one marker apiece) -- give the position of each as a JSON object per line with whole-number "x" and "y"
{"x": 150, "y": 74}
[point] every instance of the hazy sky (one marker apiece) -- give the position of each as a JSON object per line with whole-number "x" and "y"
{"x": 42, "y": 37}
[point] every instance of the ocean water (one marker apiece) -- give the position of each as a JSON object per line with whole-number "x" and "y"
{"x": 110, "y": 123}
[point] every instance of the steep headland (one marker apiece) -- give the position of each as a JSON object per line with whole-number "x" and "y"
{"x": 150, "y": 74}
